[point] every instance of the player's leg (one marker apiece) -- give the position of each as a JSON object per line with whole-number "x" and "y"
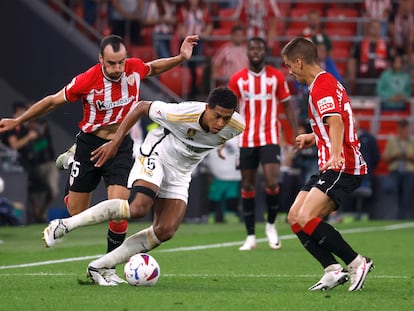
{"x": 249, "y": 162}
{"x": 326, "y": 195}
{"x": 168, "y": 214}
{"x": 270, "y": 160}
{"x": 334, "y": 274}
{"x": 248, "y": 195}
{"x": 115, "y": 174}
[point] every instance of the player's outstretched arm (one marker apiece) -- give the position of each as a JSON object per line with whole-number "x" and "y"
{"x": 109, "y": 149}
{"x": 42, "y": 107}
{"x": 163, "y": 64}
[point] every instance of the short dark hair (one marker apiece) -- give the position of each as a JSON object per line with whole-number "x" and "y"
{"x": 303, "y": 48}
{"x": 112, "y": 40}
{"x": 237, "y": 27}
{"x": 223, "y": 97}
{"x": 403, "y": 123}
{"x": 257, "y": 39}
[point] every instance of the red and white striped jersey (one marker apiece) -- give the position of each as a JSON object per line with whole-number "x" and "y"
{"x": 106, "y": 102}
{"x": 328, "y": 97}
{"x": 259, "y": 95}
{"x": 377, "y": 8}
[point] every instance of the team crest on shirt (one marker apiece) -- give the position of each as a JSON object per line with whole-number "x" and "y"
{"x": 131, "y": 79}
{"x": 325, "y": 104}
{"x": 191, "y": 132}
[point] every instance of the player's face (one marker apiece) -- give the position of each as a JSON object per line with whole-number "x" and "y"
{"x": 295, "y": 69}
{"x": 215, "y": 119}
{"x": 113, "y": 63}
{"x": 256, "y": 52}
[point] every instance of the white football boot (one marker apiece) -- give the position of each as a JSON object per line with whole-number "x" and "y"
{"x": 100, "y": 276}
{"x": 358, "y": 270}
{"x": 334, "y": 275}
{"x": 64, "y": 160}
{"x": 249, "y": 244}
{"x": 54, "y": 232}
{"x": 272, "y": 236}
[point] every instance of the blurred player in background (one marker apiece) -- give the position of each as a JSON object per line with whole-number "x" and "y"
{"x": 260, "y": 89}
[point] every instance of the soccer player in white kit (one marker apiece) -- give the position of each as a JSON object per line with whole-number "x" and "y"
{"x": 161, "y": 174}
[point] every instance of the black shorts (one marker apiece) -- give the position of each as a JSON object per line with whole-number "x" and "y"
{"x": 85, "y": 177}
{"x": 251, "y": 157}
{"x": 336, "y": 185}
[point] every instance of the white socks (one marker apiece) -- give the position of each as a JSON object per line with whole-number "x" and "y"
{"x": 140, "y": 242}
{"x": 105, "y": 210}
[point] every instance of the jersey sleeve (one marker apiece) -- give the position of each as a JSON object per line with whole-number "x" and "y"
{"x": 159, "y": 110}
{"x": 138, "y": 65}
{"x": 233, "y": 85}
{"x": 78, "y": 87}
{"x": 323, "y": 97}
{"x": 282, "y": 91}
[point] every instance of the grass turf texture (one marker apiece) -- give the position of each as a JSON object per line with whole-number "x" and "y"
{"x": 202, "y": 269}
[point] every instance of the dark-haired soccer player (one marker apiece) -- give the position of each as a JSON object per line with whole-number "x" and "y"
{"x": 341, "y": 168}
{"x": 161, "y": 174}
{"x": 261, "y": 90}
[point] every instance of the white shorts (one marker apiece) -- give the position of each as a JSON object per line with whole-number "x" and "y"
{"x": 172, "y": 183}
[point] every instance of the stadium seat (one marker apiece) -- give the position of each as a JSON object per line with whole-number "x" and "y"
{"x": 225, "y": 18}
{"x": 382, "y": 168}
{"x": 218, "y": 37}
{"x": 146, "y": 35}
{"x": 310, "y": 5}
{"x": 299, "y": 17}
{"x": 341, "y": 38}
{"x": 177, "y": 80}
{"x": 144, "y": 52}
{"x": 339, "y": 18}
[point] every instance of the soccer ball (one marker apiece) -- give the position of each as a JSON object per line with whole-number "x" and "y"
{"x": 142, "y": 270}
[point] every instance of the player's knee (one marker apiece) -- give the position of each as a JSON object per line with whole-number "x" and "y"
{"x": 139, "y": 209}
{"x": 164, "y": 232}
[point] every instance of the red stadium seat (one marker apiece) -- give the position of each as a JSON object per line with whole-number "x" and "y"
{"x": 225, "y": 18}
{"x": 144, "y": 52}
{"x": 339, "y": 18}
{"x": 299, "y": 16}
{"x": 177, "y": 80}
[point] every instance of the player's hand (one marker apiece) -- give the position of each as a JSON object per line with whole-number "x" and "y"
{"x": 187, "y": 46}
{"x": 335, "y": 162}
{"x": 104, "y": 153}
{"x": 7, "y": 124}
{"x": 303, "y": 141}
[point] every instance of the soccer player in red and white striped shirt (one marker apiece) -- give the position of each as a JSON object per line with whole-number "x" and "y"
{"x": 260, "y": 89}
{"x": 341, "y": 168}
{"x": 108, "y": 91}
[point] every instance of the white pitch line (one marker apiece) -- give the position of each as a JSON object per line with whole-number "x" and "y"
{"x": 208, "y": 275}
{"x": 210, "y": 246}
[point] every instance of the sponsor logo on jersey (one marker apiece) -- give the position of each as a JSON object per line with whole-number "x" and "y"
{"x": 106, "y": 104}
{"x": 253, "y": 96}
{"x": 191, "y": 132}
{"x": 325, "y": 104}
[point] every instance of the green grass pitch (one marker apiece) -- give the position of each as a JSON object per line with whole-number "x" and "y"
{"x": 202, "y": 269}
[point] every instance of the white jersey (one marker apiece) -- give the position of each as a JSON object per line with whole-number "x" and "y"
{"x": 178, "y": 146}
